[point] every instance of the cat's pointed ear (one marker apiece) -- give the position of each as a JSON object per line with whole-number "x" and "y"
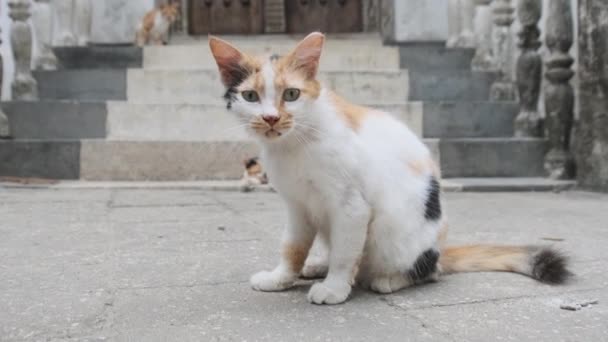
{"x": 307, "y": 54}
{"x": 228, "y": 59}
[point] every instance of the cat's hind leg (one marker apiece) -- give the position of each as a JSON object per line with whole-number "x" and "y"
{"x": 390, "y": 284}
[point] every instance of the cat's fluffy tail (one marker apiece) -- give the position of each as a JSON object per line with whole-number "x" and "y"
{"x": 544, "y": 264}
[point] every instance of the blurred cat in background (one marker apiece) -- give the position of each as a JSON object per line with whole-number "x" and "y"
{"x": 154, "y": 26}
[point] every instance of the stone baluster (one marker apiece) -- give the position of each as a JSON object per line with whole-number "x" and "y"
{"x": 454, "y": 24}
{"x": 503, "y": 89}
{"x": 23, "y": 86}
{"x": 4, "y": 127}
{"x": 483, "y": 60}
{"x": 64, "y": 35}
{"x": 42, "y": 20}
{"x": 529, "y": 69}
{"x": 461, "y": 14}
{"x": 81, "y": 21}
{"x": 559, "y": 95}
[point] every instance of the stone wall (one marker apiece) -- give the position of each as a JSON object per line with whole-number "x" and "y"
{"x": 592, "y": 134}
{"x": 114, "y": 21}
{"x": 414, "y": 20}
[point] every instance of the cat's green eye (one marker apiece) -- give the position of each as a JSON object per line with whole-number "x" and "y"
{"x": 291, "y": 94}
{"x": 250, "y": 96}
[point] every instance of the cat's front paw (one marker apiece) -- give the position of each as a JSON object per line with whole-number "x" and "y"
{"x": 271, "y": 281}
{"x": 322, "y": 293}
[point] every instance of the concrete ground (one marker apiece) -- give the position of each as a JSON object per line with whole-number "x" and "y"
{"x": 173, "y": 265}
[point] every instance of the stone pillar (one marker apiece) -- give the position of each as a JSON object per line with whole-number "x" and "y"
{"x": 483, "y": 59}
{"x": 82, "y": 15}
{"x": 42, "y": 20}
{"x": 503, "y": 89}
{"x": 64, "y": 25}
{"x": 460, "y": 20}
{"x": 24, "y": 86}
{"x": 529, "y": 69}
{"x": 559, "y": 95}
{"x": 592, "y": 134}
{"x": 5, "y": 131}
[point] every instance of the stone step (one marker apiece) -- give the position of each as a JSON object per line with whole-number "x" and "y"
{"x": 60, "y": 120}
{"x": 495, "y": 184}
{"x": 492, "y": 157}
{"x": 82, "y": 85}
{"x": 165, "y": 160}
{"x": 123, "y": 160}
{"x": 161, "y": 122}
{"x": 204, "y": 87}
{"x": 450, "y": 85}
{"x": 434, "y": 56}
{"x": 469, "y": 119}
{"x": 57, "y": 120}
{"x": 99, "y": 57}
{"x": 40, "y": 159}
{"x": 337, "y": 55}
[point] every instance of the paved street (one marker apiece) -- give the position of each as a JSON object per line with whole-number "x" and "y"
{"x": 173, "y": 265}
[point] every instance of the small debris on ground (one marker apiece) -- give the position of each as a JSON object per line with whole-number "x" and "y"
{"x": 577, "y": 305}
{"x": 222, "y": 228}
{"x": 551, "y": 239}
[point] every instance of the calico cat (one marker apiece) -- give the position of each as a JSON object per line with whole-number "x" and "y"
{"x": 356, "y": 181}
{"x": 155, "y": 25}
{"x": 253, "y": 175}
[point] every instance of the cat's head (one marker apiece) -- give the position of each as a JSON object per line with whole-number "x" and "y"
{"x": 273, "y": 95}
{"x": 170, "y": 11}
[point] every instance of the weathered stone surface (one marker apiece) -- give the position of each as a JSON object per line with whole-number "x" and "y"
{"x": 415, "y": 20}
{"x": 167, "y": 265}
{"x": 592, "y": 139}
{"x": 529, "y": 69}
{"x": 99, "y": 57}
{"x": 42, "y": 21}
{"x": 559, "y": 95}
{"x": 56, "y": 120}
{"x": 164, "y": 160}
{"x": 483, "y": 60}
{"x": 40, "y": 159}
{"x": 24, "y": 85}
{"x": 82, "y": 85}
{"x": 4, "y": 126}
{"x": 503, "y": 89}
{"x": 492, "y": 157}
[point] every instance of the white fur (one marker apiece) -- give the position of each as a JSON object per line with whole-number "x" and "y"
{"x": 351, "y": 189}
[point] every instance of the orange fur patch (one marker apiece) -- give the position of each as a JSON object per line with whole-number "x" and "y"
{"x": 295, "y": 255}
{"x": 480, "y": 258}
{"x": 353, "y": 115}
{"x": 422, "y": 166}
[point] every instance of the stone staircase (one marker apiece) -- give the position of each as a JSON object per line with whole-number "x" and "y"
{"x": 123, "y": 114}
{"x": 475, "y": 135}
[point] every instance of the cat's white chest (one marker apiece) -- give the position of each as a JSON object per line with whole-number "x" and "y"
{"x": 161, "y": 24}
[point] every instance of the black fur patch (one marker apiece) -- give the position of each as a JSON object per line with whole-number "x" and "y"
{"x": 425, "y": 266}
{"x": 230, "y": 97}
{"x": 233, "y": 77}
{"x": 549, "y": 266}
{"x": 433, "y": 204}
{"x": 251, "y": 163}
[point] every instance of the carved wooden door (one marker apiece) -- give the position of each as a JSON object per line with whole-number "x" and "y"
{"x": 328, "y": 16}
{"x": 226, "y": 16}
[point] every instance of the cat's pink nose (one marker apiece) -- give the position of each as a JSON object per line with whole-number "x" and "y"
{"x": 270, "y": 119}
